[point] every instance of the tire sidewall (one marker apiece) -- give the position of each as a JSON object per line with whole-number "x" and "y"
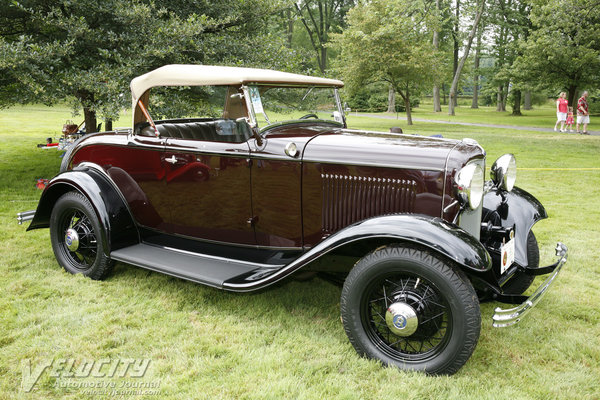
{"x": 368, "y": 271}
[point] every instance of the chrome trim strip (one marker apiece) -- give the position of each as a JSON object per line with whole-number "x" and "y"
{"x": 25, "y": 216}
{"x": 507, "y": 317}
{"x": 191, "y": 253}
{"x": 445, "y": 179}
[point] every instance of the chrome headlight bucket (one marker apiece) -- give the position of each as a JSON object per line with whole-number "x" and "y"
{"x": 469, "y": 184}
{"x": 504, "y": 172}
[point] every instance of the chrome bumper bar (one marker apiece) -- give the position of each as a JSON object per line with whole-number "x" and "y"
{"x": 25, "y": 216}
{"x": 507, "y": 317}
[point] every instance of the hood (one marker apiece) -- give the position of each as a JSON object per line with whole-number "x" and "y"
{"x": 354, "y": 147}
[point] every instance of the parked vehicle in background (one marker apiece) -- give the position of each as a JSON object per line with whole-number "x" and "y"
{"x": 238, "y": 178}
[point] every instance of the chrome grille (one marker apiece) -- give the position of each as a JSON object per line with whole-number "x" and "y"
{"x": 348, "y": 199}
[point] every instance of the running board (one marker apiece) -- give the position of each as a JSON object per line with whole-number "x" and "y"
{"x": 207, "y": 270}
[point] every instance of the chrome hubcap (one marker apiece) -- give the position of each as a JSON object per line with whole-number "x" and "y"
{"x": 401, "y": 319}
{"x": 72, "y": 239}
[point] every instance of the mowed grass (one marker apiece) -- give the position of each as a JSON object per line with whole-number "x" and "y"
{"x": 541, "y": 116}
{"x": 288, "y": 342}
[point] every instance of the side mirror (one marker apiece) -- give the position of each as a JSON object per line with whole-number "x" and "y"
{"x": 237, "y": 96}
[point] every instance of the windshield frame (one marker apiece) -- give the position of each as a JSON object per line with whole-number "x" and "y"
{"x": 253, "y": 121}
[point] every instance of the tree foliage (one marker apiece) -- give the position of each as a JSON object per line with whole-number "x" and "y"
{"x": 388, "y": 41}
{"x": 563, "y": 50}
{"x": 87, "y": 51}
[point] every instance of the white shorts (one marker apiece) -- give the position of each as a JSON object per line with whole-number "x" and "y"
{"x": 561, "y": 116}
{"x": 583, "y": 119}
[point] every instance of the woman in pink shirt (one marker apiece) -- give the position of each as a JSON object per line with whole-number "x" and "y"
{"x": 561, "y": 111}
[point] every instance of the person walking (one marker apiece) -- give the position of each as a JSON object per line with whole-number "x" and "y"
{"x": 570, "y": 120}
{"x": 561, "y": 111}
{"x": 583, "y": 115}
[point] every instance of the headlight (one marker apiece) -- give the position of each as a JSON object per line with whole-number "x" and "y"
{"x": 469, "y": 182}
{"x": 504, "y": 172}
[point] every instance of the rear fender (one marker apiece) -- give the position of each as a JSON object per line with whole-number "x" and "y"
{"x": 117, "y": 227}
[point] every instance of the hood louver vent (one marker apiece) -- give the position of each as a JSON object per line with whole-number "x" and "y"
{"x": 348, "y": 199}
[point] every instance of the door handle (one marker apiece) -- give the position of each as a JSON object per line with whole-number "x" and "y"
{"x": 173, "y": 160}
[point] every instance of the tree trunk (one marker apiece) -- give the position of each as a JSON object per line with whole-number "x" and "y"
{"x": 408, "y": 110}
{"x": 87, "y": 99}
{"x": 436, "y": 98}
{"x": 516, "y": 108}
{"x": 406, "y": 97}
{"x": 290, "y": 27}
{"x": 90, "y": 120}
{"x": 475, "y": 100}
{"x": 455, "y": 33}
{"x": 391, "y": 100}
{"x": 323, "y": 65}
{"x": 454, "y": 86}
{"x": 444, "y": 94}
{"x": 108, "y": 124}
{"x": 527, "y": 100}
{"x": 500, "y": 99}
{"x": 436, "y": 45}
{"x": 572, "y": 98}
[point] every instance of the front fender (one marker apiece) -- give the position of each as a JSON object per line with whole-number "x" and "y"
{"x": 117, "y": 227}
{"x": 516, "y": 208}
{"x": 440, "y": 236}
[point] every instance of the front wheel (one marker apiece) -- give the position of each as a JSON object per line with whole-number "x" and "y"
{"x": 411, "y": 309}
{"x": 75, "y": 237}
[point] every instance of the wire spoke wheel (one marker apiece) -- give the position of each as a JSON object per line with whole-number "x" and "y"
{"x": 75, "y": 236}
{"x": 432, "y": 313}
{"x": 411, "y": 309}
{"x": 76, "y": 222}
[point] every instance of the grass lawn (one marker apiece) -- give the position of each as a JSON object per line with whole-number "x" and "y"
{"x": 288, "y": 342}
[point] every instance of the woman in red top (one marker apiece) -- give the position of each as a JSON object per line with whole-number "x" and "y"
{"x": 561, "y": 111}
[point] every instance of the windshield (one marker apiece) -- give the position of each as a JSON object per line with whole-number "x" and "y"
{"x": 277, "y": 105}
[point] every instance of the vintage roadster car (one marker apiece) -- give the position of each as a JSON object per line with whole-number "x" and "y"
{"x": 250, "y": 176}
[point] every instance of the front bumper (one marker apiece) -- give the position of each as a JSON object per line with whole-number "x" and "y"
{"x": 508, "y": 317}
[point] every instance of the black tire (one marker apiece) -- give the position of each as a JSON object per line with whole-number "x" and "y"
{"x": 520, "y": 281}
{"x": 74, "y": 212}
{"x": 448, "y": 319}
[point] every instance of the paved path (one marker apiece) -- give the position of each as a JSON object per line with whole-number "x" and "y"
{"x": 518, "y": 128}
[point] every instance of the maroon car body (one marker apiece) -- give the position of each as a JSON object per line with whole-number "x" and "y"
{"x": 405, "y": 223}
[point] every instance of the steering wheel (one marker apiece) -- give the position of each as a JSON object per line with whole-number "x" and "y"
{"x": 315, "y": 116}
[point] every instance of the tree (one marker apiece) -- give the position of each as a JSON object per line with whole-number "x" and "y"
{"x": 562, "y": 51}
{"x": 388, "y": 41}
{"x": 320, "y": 18}
{"x": 436, "y": 45}
{"x": 453, "y": 88}
{"x": 476, "y": 72}
{"x": 87, "y": 51}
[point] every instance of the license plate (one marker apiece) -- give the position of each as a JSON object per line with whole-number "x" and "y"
{"x": 508, "y": 254}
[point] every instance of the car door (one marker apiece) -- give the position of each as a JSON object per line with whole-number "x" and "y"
{"x": 276, "y": 192}
{"x": 208, "y": 187}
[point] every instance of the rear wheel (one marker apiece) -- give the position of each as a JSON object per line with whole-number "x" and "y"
{"x": 411, "y": 309}
{"x": 75, "y": 237}
{"x": 520, "y": 281}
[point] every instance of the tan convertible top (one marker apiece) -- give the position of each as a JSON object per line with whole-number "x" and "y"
{"x": 201, "y": 75}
